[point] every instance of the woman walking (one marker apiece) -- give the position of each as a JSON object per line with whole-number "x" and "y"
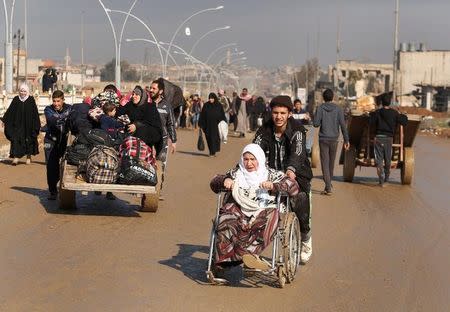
{"x": 212, "y": 113}
{"x": 22, "y": 126}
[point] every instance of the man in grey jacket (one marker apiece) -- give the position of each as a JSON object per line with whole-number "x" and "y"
{"x": 329, "y": 117}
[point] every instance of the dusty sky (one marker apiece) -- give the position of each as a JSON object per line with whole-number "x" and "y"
{"x": 271, "y": 32}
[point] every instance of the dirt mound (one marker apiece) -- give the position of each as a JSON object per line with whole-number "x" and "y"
{"x": 422, "y": 112}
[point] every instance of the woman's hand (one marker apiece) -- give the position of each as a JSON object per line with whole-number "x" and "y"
{"x": 228, "y": 183}
{"x": 131, "y": 128}
{"x": 267, "y": 185}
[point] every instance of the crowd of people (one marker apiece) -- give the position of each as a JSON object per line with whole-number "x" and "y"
{"x": 276, "y": 159}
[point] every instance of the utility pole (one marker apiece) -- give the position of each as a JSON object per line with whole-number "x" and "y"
{"x": 26, "y": 42}
{"x": 316, "y": 75}
{"x": 307, "y": 67}
{"x": 338, "y": 51}
{"x": 82, "y": 50}
{"x": 394, "y": 87}
{"x": 18, "y": 56}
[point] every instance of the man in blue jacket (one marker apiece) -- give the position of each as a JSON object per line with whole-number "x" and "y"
{"x": 55, "y": 141}
{"x": 329, "y": 117}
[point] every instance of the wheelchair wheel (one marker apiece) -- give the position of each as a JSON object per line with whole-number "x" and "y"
{"x": 291, "y": 246}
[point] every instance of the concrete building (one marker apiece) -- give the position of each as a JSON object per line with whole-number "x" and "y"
{"x": 364, "y": 78}
{"x": 428, "y": 71}
{"x": 34, "y": 67}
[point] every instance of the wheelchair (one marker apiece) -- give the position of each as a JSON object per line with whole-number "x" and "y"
{"x": 285, "y": 246}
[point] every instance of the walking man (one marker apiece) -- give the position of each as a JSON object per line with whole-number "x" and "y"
{"x": 385, "y": 120}
{"x": 283, "y": 141}
{"x": 329, "y": 117}
{"x": 55, "y": 141}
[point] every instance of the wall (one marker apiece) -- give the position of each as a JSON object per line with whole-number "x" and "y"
{"x": 427, "y": 68}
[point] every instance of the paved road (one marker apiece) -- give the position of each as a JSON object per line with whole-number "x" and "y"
{"x": 374, "y": 249}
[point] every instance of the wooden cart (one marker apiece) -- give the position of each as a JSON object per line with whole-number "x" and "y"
{"x": 361, "y": 151}
{"x": 70, "y": 183}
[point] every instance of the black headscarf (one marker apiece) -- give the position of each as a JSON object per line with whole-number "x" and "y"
{"x": 144, "y": 97}
{"x": 212, "y": 95}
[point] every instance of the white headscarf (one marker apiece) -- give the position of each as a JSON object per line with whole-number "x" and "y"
{"x": 246, "y": 179}
{"x": 25, "y": 87}
{"x": 247, "y": 193}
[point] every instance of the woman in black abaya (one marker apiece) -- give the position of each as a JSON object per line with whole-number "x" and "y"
{"x": 22, "y": 126}
{"x": 212, "y": 113}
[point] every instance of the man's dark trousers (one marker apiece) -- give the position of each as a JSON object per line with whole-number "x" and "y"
{"x": 383, "y": 151}
{"x": 328, "y": 150}
{"x": 52, "y": 159}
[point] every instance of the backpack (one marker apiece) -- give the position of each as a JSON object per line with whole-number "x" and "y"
{"x": 95, "y": 137}
{"x": 102, "y": 165}
{"x": 77, "y": 153}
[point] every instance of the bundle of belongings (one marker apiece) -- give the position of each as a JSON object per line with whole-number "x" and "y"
{"x": 365, "y": 103}
{"x": 103, "y": 151}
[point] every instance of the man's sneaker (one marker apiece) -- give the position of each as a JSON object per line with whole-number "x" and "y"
{"x": 325, "y": 192}
{"x": 306, "y": 251}
{"x": 52, "y": 196}
{"x": 386, "y": 178}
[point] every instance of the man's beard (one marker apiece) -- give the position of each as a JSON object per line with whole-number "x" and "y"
{"x": 154, "y": 96}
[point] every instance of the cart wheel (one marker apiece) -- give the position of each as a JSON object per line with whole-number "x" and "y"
{"x": 407, "y": 169}
{"x": 291, "y": 246}
{"x": 149, "y": 202}
{"x": 67, "y": 199}
{"x": 349, "y": 164}
{"x": 315, "y": 155}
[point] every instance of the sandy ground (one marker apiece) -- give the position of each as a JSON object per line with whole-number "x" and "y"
{"x": 374, "y": 249}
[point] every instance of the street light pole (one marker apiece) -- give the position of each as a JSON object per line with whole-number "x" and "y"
{"x": 206, "y": 34}
{"x": 8, "y": 47}
{"x": 155, "y": 43}
{"x": 198, "y": 41}
{"x": 117, "y": 43}
{"x": 151, "y": 34}
{"x": 196, "y": 61}
{"x": 181, "y": 25}
{"x": 217, "y": 50}
{"x": 26, "y": 41}
{"x": 394, "y": 87}
{"x": 82, "y": 50}
{"x": 18, "y": 57}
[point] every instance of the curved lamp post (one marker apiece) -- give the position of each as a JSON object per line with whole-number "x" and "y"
{"x": 8, "y": 47}
{"x": 117, "y": 44}
{"x": 181, "y": 25}
{"x": 218, "y": 49}
{"x": 193, "y": 60}
{"x": 151, "y": 34}
{"x": 232, "y": 62}
{"x": 155, "y": 43}
{"x": 232, "y": 54}
{"x": 200, "y": 39}
{"x": 206, "y": 34}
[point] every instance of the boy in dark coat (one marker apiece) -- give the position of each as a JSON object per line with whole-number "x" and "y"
{"x": 385, "y": 120}
{"x": 284, "y": 142}
{"x": 55, "y": 141}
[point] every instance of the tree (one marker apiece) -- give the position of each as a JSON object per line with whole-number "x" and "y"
{"x": 108, "y": 72}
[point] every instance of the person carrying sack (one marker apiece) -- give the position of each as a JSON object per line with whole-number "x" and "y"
{"x": 200, "y": 141}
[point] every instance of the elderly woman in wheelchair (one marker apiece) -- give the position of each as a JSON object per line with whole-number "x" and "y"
{"x": 251, "y": 216}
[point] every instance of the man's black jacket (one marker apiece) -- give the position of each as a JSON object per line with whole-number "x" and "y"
{"x": 293, "y": 156}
